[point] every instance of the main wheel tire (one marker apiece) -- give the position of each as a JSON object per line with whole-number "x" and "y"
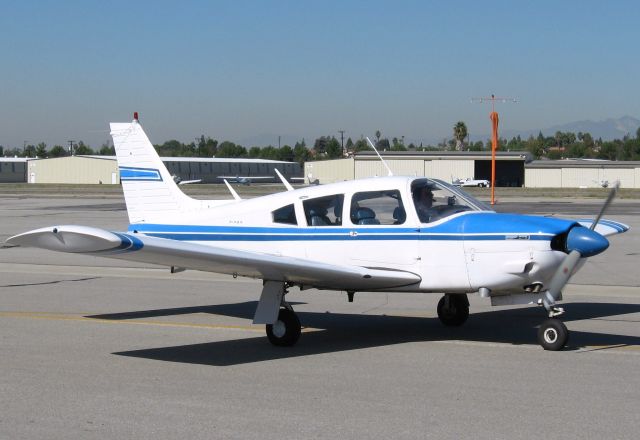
{"x": 457, "y": 312}
{"x": 285, "y": 332}
{"x": 553, "y": 334}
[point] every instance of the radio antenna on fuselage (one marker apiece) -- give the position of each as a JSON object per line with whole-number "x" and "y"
{"x": 380, "y": 157}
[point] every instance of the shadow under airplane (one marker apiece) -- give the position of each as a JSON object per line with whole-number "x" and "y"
{"x": 342, "y": 332}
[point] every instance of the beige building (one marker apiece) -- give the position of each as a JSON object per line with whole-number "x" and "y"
{"x": 445, "y": 165}
{"x": 73, "y": 169}
{"x": 582, "y": 173}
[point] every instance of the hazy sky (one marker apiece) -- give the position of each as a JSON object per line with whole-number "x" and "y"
{"x": 240, "y": 69}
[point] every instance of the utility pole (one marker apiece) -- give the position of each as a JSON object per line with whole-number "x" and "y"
{"x": 342, "y": 140}
{"x": 494, "y": 135}
{"x": 71, "y": 147}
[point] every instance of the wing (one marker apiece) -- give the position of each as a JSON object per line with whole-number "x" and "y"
{"x": 165, "y": 252}
{"x": 605, "y": 227}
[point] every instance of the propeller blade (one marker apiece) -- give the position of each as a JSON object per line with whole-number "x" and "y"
{"x": 607, "y": 202}
{"x": 560, "y": 278}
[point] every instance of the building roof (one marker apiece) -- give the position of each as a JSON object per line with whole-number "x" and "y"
{"x": 177, "y": 159}
{"x": 13, "y": 159}
{"x": 583, "y": 163}
{"x": 448, "y": 155}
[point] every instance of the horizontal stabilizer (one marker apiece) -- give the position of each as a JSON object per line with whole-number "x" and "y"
{"x": 69, "y": 238}
{"x": 605, "y": 227}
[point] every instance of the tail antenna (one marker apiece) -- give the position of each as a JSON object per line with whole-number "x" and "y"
{"x": 380, "y": 157}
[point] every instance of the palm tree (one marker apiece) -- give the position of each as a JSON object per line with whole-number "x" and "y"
{"x": 460, "y": 133}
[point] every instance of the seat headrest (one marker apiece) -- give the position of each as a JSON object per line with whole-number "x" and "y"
{"x": 363, "y": 213}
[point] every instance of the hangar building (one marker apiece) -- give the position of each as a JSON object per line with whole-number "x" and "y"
{"x": 445, "y": 165}
{"x": 13, "y": 169}
{"x": 104, "y": 169}
{"x": 581, "y": 173}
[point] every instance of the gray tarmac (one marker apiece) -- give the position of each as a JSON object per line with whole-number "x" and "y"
{"x": 96, "y": 348}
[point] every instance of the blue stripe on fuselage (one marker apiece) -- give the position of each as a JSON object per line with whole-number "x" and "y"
{"x": 477, "y": 226}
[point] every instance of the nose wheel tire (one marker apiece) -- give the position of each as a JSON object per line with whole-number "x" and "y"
{"x": 285, "y": 332}
{"x": 553, "y": 335}
{"x": 453, "y": 311}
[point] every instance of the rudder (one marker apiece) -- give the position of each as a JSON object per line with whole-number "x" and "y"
{"x": 149, "y": 190}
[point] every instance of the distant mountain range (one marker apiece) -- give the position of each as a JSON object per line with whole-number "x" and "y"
{"x": 608, "y": 129}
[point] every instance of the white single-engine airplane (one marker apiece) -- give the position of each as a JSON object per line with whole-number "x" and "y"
{"x": 394, "y": 234}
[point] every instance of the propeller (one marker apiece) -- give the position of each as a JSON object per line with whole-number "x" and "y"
{"x": 581, "y": 243}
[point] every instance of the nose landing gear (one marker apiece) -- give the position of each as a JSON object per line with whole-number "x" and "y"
{"x": 553, "y": 334}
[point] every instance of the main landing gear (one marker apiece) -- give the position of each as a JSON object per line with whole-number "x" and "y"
{"x": 282, "y": 325}
{"x": 285, "y": 332}
{"x": 453, "y": 310}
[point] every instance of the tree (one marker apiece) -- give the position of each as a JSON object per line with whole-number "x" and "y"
{"x": 349, "y": 144}
{"x": 30, "y": 151}
{"x": 361, "y": 145}
{"x": 269, "y": 152}
{"x": 378, "y": 134}
{"x": 107, "y": 150}
{"x": 459, "y": 134}
{"x": 229, "y": 149}
{"x": 58, "y": 151}
{"x": 320, "y": 145}
{"x": 83, "y": 149}
{"x": 1, "y": 150}
{"x": 254, "y": 152}
{"x": 41, "y": 150}
{"x": 300, "y": 153}
{"x": 397, "y": 145}
{"x": 333, "y": 148}
{"x": 286, "y": 153}
{"x": 383, "y": 144}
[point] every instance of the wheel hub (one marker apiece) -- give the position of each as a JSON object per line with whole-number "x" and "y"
{"x": 550, "y": 335}
{"x": 279, "y": 329}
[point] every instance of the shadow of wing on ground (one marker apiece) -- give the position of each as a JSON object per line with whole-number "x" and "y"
{"x": 343, "y": 332}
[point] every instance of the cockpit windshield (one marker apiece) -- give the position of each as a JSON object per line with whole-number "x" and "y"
{"x": 435, "y": 199}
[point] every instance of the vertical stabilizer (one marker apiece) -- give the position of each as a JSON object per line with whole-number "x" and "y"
{"x": 150, "y": 193}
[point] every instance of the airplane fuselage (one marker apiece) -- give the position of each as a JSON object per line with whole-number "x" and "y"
{"x": 460, "y": 252}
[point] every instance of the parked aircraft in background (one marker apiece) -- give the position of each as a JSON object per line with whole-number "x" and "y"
{"x": 244, "y": 180}
{"x": 393, "y": 234}
{"x": 179, "y": 180}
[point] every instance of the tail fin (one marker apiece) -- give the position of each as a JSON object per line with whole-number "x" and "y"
{"x": 150, "y": 192}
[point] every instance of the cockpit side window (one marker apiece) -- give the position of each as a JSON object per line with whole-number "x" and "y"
{"x": 324, "y": 211}
{"x": 434, "y": 202}
{"x": 377, "y": 208}
{"x": 285, "y": 215}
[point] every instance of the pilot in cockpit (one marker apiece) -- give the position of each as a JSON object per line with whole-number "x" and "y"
{"x": 423, "y": 199}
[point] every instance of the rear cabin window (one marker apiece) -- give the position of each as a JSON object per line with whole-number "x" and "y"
{"x": 285, "y": 215}
{"x": 324, "y": 211}
{"x": 377, "y": 208}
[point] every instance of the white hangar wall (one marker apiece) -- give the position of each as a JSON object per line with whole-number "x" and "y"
{"x": 440, "y": 165}
{"x": 329, "y": 171}
{"x": 581, "y": 174}
{"x": 448, "y": 170}
{"x": 74, "y": 169}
